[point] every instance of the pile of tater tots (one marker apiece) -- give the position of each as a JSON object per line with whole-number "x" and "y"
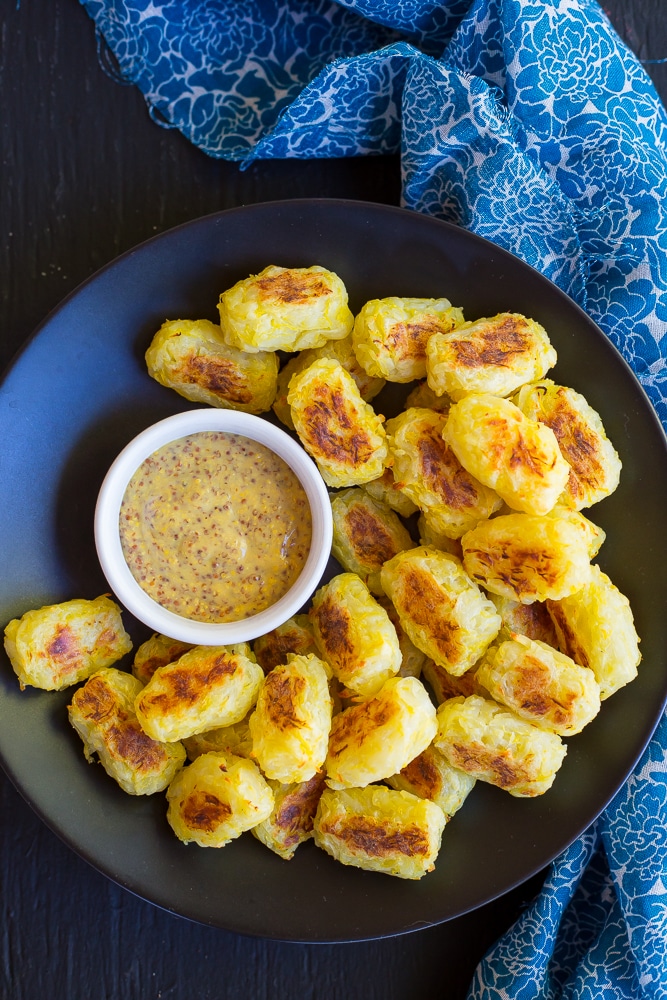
{"x": 467, "y": 633}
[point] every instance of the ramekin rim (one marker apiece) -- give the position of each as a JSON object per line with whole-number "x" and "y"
{"x": 107, "y": 532}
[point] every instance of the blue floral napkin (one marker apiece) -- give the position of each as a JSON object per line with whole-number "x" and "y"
{"x": 530, "y": 123}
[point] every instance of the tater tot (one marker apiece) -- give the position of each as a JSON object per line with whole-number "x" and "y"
{"x": 216, "y": 799}
{"x": 390, "y": 335}
{"x": 540, "y": 685}
{"x": 386, "y": 489}
{"x": 429, "y": 535}
{"x": 206, "y": 688}
{"x": 495, "y": 355}
{"x": 156, "y": 652}
{"x": 376, "y": 738}
{"x": 235, "y": 739}
{"x": 380, "y": 829}
{"x": 336, "y": 427}
{"x": 293, "y": 636}
{"x": 102, "y": 713}
{"x": 423, "y": 396}
{"x": 595, "y": 626}
{"x": 284, "y": 308}
{"x": 191, "y": 357}
{"x": 431, "y": 776}
{"x": 366, "y": 533}
{"x": 337, "y": 350}
{"x": 427, "y": 470}
{"x": 445, "y": 685}
{"x": 517, "y": 457}
{"x": 354, "y": 635}
{"x": 527, "y": 558}
{"x": 61, "y": 644}
{"x": 493, "y": 744}
{"x": 532, "y": 620}
{"x": 443, "y": 612}
{"x": 292, "y": 718}
{"x": 412, "y": 659}
{"x": 595, "y": 467}
{"x": 292, "y": 817}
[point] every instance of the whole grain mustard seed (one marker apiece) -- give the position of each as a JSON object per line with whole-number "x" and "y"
{"x": 215, "y": 527}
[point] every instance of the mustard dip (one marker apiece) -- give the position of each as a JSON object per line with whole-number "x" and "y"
{"x": 215, "y": 527}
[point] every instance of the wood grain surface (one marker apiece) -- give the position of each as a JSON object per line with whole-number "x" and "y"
{"x": 87, "y": 174}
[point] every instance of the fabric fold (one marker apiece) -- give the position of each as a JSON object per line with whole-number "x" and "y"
{"x": 352, "y": 107}
{"x": 222, "y": 71}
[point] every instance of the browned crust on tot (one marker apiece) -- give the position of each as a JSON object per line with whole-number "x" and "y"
{"x": 185, "y": 684}
{"x": 509, "y": 567}
{"x": 128, "y": 742}
{"x": 426, "y": 604}
{"x": 475, "y": 758}
{"x": 533, "y": 621}
{"x": 442, "y": 471}
{"x": 529, "y": 456}
{"x": 370, "y": 539}
{"x": 335, "y": 628}
{"x": 275, "y": 647}
{"x": 292, "y": 287}
{"x": 95, "y": 700}
{"x": 146, "y": 668}
{"x": 64, "y": 645}
{"x": 218, "y": 375}
{"x": 567, "y": 637}
{"x": 204, "y": 811}
{"x": 494, "y": 345}
{"x": 296, "y": 813}
{"x": 408, "y": 339}
{"x": 281, "y": 694}
{"x": 423, "y": 776}
{"x": 329, "y": 425}
{"x": 501, "y": 430}
{"x": 363, "y": 833}
{"x": 530, "y": 691}
{"x": 64, "y": 650}
{"x": 355, "y": 723}
{"x": 579, "y": 446}
{"x": 125, "y": 740}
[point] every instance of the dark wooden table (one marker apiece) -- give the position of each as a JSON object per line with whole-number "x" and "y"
{"x": 86, "y": 174}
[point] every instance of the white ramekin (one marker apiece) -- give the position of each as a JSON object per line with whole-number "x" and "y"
{"x": 107, "y": 530}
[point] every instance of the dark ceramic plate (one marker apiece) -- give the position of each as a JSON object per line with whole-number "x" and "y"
{"x": 79, "y": 391}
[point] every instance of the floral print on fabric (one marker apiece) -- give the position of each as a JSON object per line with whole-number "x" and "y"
{"x": 582, "y": 108}
{"x": 598, "y": 929}
{"x": 634, "y": 834}
{"x": 222, "y": 71}
{"x": 428, "y": 24}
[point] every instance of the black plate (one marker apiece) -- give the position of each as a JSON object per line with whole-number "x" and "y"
{"x": 79, "y": 391}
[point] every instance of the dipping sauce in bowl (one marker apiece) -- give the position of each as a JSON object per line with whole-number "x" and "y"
{"x": 213, "y": 526}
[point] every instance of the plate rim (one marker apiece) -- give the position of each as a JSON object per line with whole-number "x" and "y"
{"x": 304, "y": 203}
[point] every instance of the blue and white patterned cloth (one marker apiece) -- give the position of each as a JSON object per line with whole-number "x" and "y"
{"x": 530, "y": 123}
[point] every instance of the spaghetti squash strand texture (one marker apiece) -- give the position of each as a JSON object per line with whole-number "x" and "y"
{"x": 288, "y": 309}
{"x": 517, "y": 457}
{"x": 336, "y": 427}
